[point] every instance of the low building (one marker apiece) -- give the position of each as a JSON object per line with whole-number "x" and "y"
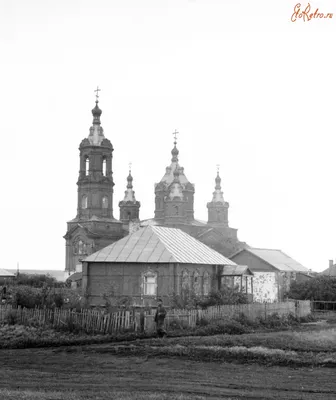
{"x": 331, "y": 270}
{"x": 5, "y": 276}
{"x": 273, "y": 272}
{"x": 153, "y": 262}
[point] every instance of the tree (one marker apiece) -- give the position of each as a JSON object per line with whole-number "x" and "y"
{"x": 320, "y": 288}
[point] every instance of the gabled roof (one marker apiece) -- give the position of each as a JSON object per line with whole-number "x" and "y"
{"x": 234, "y": 270}
{"x": 6, "y": 274}
{"x": 331, "y": 271}
{"x": 157, "y": 244}
{"x": 276, "y": 258}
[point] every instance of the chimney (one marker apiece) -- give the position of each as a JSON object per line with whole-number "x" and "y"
{"x": 331, "y": 263}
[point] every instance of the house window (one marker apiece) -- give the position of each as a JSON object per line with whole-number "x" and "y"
{"x": 105, "y": 202}
{"x": 87, "y": 164}
{"x": 84, "y": 201}
{"x": 150, "y": 285}
{"x": 206, "y": 283}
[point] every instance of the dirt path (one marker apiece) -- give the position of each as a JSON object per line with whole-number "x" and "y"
{"x": 89, "y": 372}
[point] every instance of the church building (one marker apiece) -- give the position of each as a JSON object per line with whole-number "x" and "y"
{"x": 95, "y": 226}
{"x": 174, "y": 207}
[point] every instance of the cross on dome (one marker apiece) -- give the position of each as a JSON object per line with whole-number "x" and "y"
{"x": 97, "y": 93}
{"x": 175, "y": 136}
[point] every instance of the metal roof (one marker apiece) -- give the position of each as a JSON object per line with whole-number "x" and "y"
{"x": 157, "y": 244}
{"x": 232, "y": 270}
{"x": 5, "y": 273}
{"x": 278, "y": 259}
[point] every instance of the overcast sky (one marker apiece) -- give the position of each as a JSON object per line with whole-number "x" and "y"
{"x": 246, "y": 88}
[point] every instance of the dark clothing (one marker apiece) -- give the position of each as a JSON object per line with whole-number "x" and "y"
{"x": 159, "y": 318}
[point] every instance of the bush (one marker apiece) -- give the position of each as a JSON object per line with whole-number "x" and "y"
{"x": 320, "y": 288}
{"x": 227, "y": 295}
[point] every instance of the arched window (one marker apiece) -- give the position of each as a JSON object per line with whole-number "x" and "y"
{"x": 84, "y": 201}
{"x": 105, "y": 202}
{"x": 104, "y": 166}
{"x": 197, "y": 283}
{"x": 185, "y": 280}
{"x": 87, "y": 165}
{"x": 206, "y": 283}
{"x": 80, "y": 247}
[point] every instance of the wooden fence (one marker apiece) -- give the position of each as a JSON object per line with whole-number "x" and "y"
{"x": 87, "y": 320}
{"x": 93, "y": 321}
{"x": 252, "y": 311}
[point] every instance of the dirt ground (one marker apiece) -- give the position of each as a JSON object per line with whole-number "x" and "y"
{"x": 83, "y": 372}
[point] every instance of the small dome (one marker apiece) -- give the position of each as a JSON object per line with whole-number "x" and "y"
{"x": 175, "y": 153}
{"x": 218, "y": 181}
{"x": 96, "y": 112}
{"x": 129, "y": 181}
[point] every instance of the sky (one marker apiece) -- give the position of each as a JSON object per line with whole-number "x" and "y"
{"x": 246, "y": 88}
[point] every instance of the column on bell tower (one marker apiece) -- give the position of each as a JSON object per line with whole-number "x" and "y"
{"x": 129, "y": 207}
{"x": 218, "y": 207}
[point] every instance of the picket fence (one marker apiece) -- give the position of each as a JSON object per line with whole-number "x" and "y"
{"x": 252, "y": 311}
{"x": 90, "y": 321}
{"x": 93, "y": 321}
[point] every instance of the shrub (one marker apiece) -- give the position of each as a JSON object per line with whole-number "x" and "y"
{"x": 320, "y": 288}
{"x": 226, "y": 295}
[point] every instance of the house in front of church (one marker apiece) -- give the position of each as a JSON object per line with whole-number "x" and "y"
{"x": 158, "y": 262}
{"x": 273, "y": 272}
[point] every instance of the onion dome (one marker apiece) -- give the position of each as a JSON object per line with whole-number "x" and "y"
{"x": 218, "y": 182}
{"x": 129, "y": 181}
{"x": 174, "y": 153}
{"x": 218, "y": 194}
{"x": 129, "y": 193}
{"x": 96, "y": 112}
{"x": 96, "y": 135}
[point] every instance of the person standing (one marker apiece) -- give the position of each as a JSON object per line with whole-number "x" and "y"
{"x": 159, "y": 318}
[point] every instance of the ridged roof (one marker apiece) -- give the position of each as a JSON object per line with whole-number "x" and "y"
{"x": 5, "y": 273}
{"x": 278, "y": 259}
{"x": 157, "y": 244}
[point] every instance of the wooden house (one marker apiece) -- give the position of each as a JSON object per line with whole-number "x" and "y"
{"x": 153, "y": 262}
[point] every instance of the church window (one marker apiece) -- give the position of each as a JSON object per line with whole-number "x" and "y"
{"x": 206, "y": 283}
{"x": 150, "y": 284}
{"x": 104, "y": 166}
{"x": 84, "y": 201}
{"x": 87, "y": 164}
{"x": 185, "y": 280}
{"x": 80, "y": 247}
{"x": 197, "y": 284}
{"x": 105, "y": 202}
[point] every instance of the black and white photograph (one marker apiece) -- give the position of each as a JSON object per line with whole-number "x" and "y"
{"x": 168, "y": 200}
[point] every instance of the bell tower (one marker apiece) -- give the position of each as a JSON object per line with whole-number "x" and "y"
{"x": 218, "y": 207}
{"x": 129, "y": 207}
{"x": 94, "y": 226}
